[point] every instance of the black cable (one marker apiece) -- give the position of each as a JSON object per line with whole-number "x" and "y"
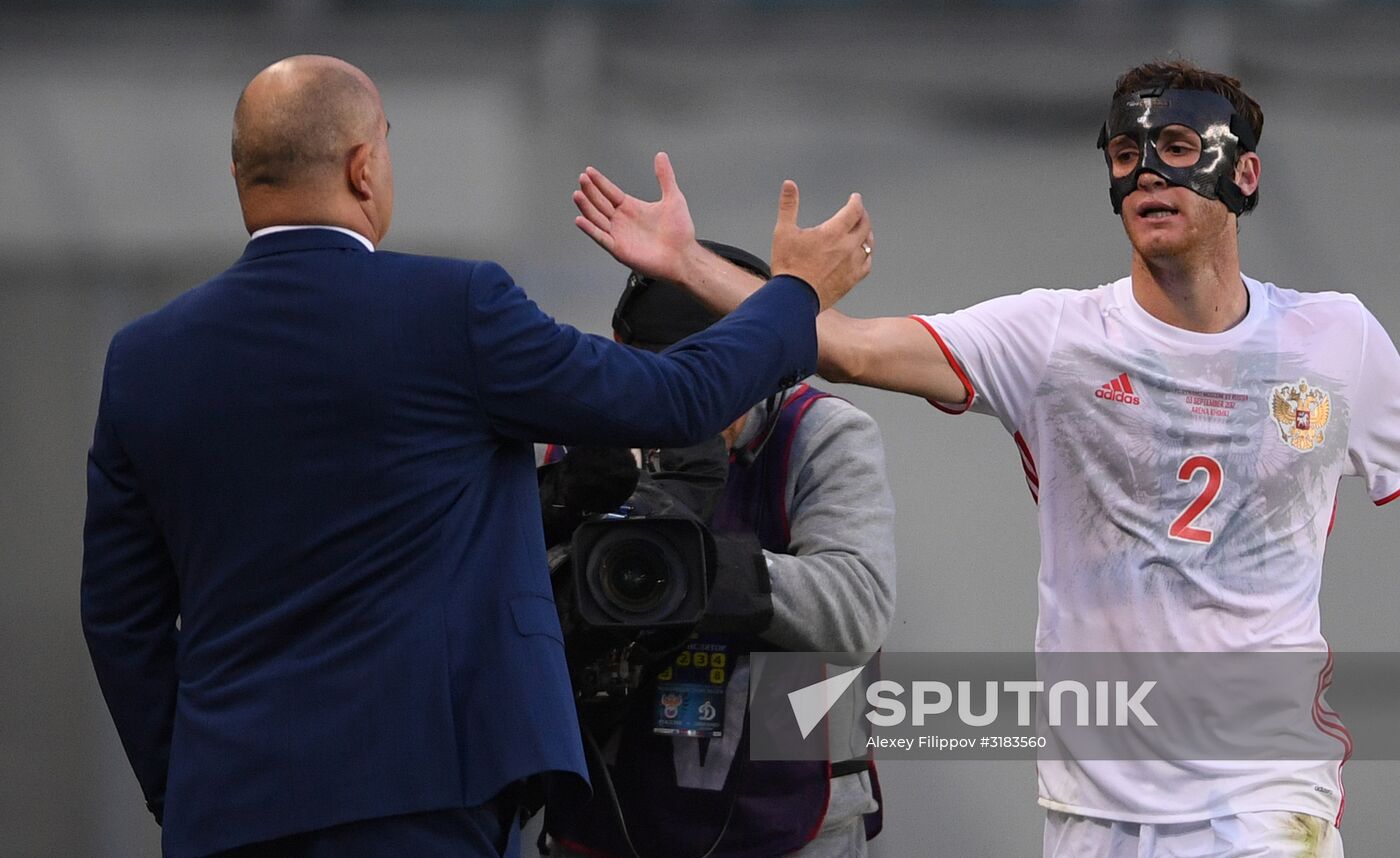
{"x": 597, "y": 753}
{"x": 746, "y": 454}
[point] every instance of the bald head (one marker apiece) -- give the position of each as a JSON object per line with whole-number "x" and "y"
{"x": 310, "y": 147}
{"x": 297, "y": 121}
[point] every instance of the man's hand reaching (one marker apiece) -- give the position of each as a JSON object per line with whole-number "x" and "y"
{"x": 658, "y": 239}
{"x": 832, "y": 256}
{"x": 653, "y": 238}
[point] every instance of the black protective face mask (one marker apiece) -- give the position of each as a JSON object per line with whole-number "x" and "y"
{"x": 1222, "y": 134}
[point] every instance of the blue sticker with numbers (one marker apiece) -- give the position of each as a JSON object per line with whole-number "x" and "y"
{"x": 690, "y": 691}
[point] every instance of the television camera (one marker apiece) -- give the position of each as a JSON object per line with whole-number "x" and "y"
{"x": 631, "y": 562}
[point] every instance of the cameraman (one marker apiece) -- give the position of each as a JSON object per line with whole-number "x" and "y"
{"x": 804, "y": 528}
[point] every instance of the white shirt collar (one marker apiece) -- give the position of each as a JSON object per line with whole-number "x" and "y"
{"x": 269, "y": 230}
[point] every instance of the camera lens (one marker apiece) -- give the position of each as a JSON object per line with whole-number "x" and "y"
{"x": 636, "y": 576}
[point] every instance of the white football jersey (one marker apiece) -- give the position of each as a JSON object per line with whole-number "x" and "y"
{"x": 1185, "y": 485}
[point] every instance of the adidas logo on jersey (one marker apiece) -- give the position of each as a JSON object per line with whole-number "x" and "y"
{"x": 1119, "y": 390}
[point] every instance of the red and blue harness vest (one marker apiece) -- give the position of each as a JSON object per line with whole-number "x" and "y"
{"x": 678, "y": 795}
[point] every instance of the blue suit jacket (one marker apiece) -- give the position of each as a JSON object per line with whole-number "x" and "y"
{"x": 314, "y": 585}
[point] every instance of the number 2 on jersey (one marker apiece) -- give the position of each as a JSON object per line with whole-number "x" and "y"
{"x": 1184, "y": 527}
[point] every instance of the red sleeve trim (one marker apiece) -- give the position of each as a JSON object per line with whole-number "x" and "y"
{"x": 1028, "y": 465}
{"x": 1386, "y": 500}
{"x": 1027, "y": 460}
{"x": 957, "y": 370}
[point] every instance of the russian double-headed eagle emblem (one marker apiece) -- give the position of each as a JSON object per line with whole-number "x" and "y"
{"x": 1302, "y": 412}
{"x": 671, "y": 704}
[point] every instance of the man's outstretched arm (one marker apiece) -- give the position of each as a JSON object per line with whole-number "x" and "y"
{"x": 658, "y": 239}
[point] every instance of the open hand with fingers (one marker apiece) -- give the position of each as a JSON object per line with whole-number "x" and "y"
{"x": 658, "y": 240}
{"x": 653, "y": 238}
{"x": 832, "y": 256}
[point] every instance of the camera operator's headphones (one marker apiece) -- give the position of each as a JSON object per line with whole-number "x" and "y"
{"x": 654, "y": 314}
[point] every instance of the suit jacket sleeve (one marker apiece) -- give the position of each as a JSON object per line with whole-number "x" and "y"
{"x": 539, "y": 380}
{"x": 130, "y": 602}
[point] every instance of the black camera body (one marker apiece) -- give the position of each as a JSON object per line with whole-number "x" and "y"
{"x": 630, "y": 585}
{"x": 630, "y": 589}
{"x": 639, "y": 573}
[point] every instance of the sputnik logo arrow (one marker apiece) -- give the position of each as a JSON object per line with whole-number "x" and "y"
{"x": 810, "y": 704}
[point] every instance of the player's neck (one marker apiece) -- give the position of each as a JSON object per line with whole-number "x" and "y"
{"x": 1206, "y": 296}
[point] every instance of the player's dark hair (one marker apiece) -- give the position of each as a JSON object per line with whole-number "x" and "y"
{"x": 1180, "y": 74}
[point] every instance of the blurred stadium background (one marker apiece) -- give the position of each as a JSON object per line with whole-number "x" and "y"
{"x": 968, "y": 126}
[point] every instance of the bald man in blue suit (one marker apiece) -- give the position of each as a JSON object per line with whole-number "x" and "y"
{"x": 314, "y": 584}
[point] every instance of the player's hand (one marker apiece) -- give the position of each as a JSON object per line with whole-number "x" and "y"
{"x": 652, "y": 238}
{"x": 832, "y": 256}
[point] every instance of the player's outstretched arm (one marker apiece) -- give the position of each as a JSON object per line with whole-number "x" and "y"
{"x": 658, "y": 239}
{"x": 892, "y": 353}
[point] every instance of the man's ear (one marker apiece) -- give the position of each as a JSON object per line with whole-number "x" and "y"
{"x": 1247, "y": 173}
{"x": 357, "y": 171}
